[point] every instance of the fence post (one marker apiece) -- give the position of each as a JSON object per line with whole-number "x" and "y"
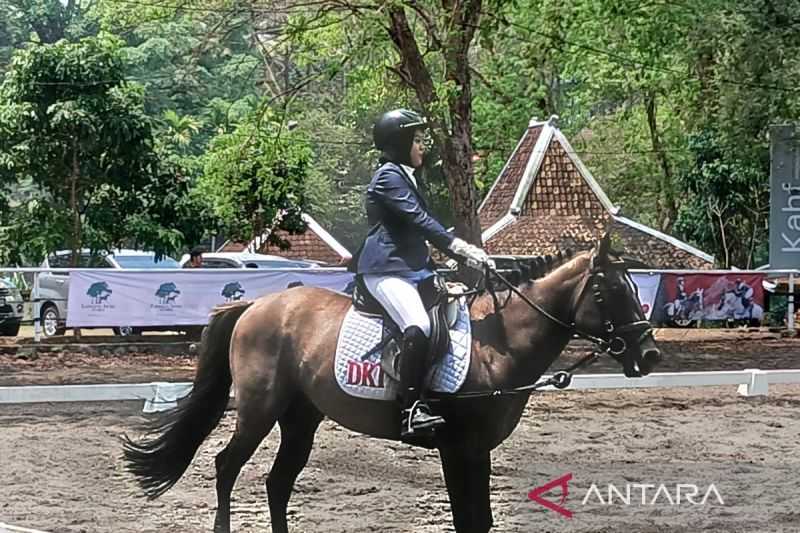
{"x": 37, "y": 311}
{"x": 791, "y": 309}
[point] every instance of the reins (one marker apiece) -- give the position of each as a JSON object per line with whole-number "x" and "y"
{"x": 570, "y": 327}
{"x": 562, "y": 378}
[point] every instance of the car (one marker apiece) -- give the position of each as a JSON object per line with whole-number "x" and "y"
{"x": 248, "y": 260}
{"x": 11, "y": 308}
{"x": 54, "y": 286}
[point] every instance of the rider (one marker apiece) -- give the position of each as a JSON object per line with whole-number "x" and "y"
{"x": 744, "y": 292}
{"x": 394, "y": 257}
{"x": 680, "y": 288}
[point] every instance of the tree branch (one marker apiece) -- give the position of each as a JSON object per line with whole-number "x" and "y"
{"x": 504, "y": 98}
{"x": 412, "y": 61}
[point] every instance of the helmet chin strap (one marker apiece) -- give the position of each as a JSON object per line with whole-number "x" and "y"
{"x": 388, "y": 156}
{"x": 399, "y": 151}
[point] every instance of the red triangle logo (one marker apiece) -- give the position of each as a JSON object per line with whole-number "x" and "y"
{"x": 562, "y": 482}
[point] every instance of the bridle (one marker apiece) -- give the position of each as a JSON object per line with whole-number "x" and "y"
{"x": 612, "y": 342}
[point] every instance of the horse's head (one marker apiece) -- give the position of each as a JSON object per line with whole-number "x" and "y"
{"x": 607, "y": 307}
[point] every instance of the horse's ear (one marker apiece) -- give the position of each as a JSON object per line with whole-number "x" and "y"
{"x": 603, "y": 247}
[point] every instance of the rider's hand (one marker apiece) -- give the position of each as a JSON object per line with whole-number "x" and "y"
{"x": 475, "y": 257}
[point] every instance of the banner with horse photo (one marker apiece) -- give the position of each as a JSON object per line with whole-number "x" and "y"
{"x": 733, "y": 298}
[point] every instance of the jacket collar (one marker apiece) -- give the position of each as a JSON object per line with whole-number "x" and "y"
{"x": 411, "y": 183}
{"x": 410, "y": 173}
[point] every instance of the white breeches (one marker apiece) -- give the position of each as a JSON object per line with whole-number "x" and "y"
{"x": 401, "y": 300}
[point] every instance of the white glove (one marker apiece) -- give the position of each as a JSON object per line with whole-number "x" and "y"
{"x": 476, "y": 257}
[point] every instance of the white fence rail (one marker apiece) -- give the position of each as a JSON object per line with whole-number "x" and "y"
{"x": 5, "y": 528}
{"x": 164, "y": 395}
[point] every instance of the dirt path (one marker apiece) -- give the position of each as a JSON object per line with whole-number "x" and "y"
{"x": 61, "y": 468}
{"x": 62, "y": 472}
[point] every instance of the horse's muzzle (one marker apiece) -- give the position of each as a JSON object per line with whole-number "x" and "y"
{"x": 651, "y": 355}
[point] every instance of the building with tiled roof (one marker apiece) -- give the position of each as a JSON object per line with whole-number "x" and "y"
{"x": 315, "y": 244}
{"x": 546, "y": 200}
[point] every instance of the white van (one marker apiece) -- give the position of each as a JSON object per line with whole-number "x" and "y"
{"x": 248, "y": 260}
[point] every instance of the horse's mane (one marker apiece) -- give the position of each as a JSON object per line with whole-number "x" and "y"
{"x": 528, "y": 269}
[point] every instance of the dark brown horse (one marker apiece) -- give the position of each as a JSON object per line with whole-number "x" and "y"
{"x": 277, "y": 352}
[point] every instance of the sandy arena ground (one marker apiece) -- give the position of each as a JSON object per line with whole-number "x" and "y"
{"x": 61, "y": 468}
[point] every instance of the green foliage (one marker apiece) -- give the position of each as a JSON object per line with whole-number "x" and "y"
{"x": 253, "y": 178}
{"x": 668, "y": 103}
{"x": 72, "y": 125}
{"x": 23, "y": 233}
{"x": 726, "y": 205}
{"x": 646, "y": 91}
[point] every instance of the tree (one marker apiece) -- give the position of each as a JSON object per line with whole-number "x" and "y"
{"x": 430, "y": 44}
{"x": 49, "y": 20}
{"x": 72, "y": 125}
{"x": 254, "y": 176}
{"x": 727, "y": 204}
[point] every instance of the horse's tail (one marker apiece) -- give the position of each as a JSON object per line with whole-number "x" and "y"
{"x": 160, "y": 462}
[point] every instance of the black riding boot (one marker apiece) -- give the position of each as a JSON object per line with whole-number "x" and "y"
{"x": 417, "y": 419}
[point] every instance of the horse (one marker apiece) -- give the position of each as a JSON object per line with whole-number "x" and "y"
{"x": 277, "y": 354}
{"x": 732, "y": 308}
{"x": 684, "y": 312}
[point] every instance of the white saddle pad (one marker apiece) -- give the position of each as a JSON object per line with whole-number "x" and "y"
{"x": 364, "y": 378}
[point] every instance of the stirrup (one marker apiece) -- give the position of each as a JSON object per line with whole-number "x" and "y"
{"x": 418, "y": 420}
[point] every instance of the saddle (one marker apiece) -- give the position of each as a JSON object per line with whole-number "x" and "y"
{"x": 433, "y": 292}
{"x": 367, "y": 349}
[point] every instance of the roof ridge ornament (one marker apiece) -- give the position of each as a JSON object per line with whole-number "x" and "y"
{"x": 552, "y": 121}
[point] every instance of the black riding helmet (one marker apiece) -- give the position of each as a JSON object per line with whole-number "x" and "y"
{"x": 393, "y": 134}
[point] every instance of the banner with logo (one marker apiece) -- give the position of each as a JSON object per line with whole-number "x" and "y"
{"x": 647, "y": 285}
{"x": 180, "y": 298}
{"x": 689, "y": 298}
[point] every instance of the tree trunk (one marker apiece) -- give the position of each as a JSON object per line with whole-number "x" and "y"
{"x": 669, "y": 210}
{"x": 73, "y": 206}
{"x": 455, "y": 139}
{"x": 76, "y": 213}
{"x": 718, "y": 212}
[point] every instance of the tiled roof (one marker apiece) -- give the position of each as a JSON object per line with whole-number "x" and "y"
{"x": 315, "y": 244}
{"x": 307, "y": 245}
{"x": 498, "y": 201}
{"x": 656, "y": 252}
{"x": 546, "y": 235}
{"x": 564, "y": 208}
{"x": 559, "y": 189}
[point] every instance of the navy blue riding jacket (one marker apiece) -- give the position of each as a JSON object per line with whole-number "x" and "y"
{"x": 400, "y": 224}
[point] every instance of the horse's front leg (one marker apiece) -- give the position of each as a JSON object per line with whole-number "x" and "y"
{"x": 466, "y": 474}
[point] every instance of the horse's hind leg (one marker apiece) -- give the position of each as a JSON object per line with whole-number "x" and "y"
{"x": 251, "y": 429}
{"x": 298, "y": 426}
{"x": 260, "y": 402}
